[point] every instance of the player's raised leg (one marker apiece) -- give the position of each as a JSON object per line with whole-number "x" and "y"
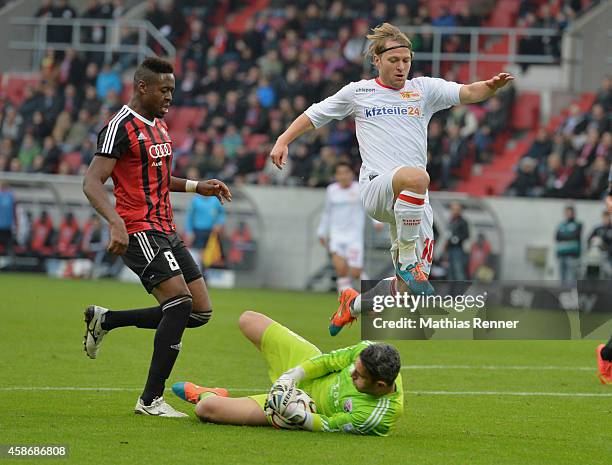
{"x": 253, "y": 325}
{"x": 410, "y": 189}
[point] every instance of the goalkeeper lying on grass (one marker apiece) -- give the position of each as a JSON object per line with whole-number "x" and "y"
{"x": 356, "y": 390}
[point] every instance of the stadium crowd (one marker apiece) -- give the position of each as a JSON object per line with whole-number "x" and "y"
{"x": 249, "y": 87}
{"x": 572, "y": 161}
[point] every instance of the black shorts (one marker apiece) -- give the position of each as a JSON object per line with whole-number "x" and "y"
{"x": 156, "y": 257}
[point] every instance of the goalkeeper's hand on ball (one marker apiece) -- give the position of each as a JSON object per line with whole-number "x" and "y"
{"x": 282, "y": 393}
{"x": 295, "y": 414}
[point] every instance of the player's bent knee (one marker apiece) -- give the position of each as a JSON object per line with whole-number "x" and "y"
{"x": 179, "y": 304}
{"x": 246, "y": 319}
{"x": 413, "y": 179}
{"x": 208, "y": 409}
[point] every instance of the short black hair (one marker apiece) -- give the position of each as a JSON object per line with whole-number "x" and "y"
{"x": 343, "y": 163}
{"x": 151, "y": 66}
{"x": 382, "y": 361}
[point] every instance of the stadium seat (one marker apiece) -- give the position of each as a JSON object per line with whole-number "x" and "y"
{"x": 15, "y": 86}
{"x": 526, "y": 111}
{"x": 255, "y": 141}
{"x": 73, "y": 159}
{"x": 504, "y": 14}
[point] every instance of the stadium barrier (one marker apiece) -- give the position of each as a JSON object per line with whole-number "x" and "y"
{"x": 148, "y": 37}
{"x": 283, "y": 222}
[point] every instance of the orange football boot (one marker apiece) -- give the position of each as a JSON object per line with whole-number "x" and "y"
{"x": 343, "y": 315}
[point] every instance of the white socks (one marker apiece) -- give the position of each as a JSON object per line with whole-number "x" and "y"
{"x": 386, "y": 286}
{"x": 343, "y": 283}
{"x": 356, "y": 307}
{"x": 408, "y": 214}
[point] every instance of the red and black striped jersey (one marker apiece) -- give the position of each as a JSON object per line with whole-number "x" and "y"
{"x": 143, "y": 150}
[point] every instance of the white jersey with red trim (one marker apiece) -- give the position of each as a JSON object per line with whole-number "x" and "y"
{"x": 391, "y": 123}
{"x": 343, "y": 218}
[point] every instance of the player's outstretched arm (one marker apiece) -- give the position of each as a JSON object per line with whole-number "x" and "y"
{"x": 207, "y": 188}
{"x": 98, "y": 172}
{"x": 482, "y": 90}
{"x": 280, "y": 151}
{"x": 320, "y": 365}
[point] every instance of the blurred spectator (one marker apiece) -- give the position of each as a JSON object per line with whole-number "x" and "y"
{"x": 68, "y": 237}
{"x": 48, "y": 160}
{"x": 39, "y": 127}
{"x": 604, "y": 233}
{"x": 65, "y": 11}
{"x": 597, "y": 178}
{"x": 575, "y": 121}
{"x": 42, "y": 235}
{"x": 204, "y": 224}
{"x": 204, "y": 216}
{"x": 50, "y": 103}
{"x": 479, "y": 267}
{"x": 93, "y": 246}
{"x": 323, "y": 168}
{"x": 526, "y": 182}
{"x": 62, "y": 126}
{"x": 459, "y": 232}
{"x": 28, "y": 151}
{"x": 242, "y": 248}
{"x": 7, "y": 219}
{"x": 11, "y": 124}
{"x": 541, "y": 146}
{"x": 45, "y": 10}
{"x": 301, "y": 165}
{"x": 108, "y": 80}
{"x": 71, "y": 69}
{"x": 598, "y": 119}
{"x": 604, "y": 95}
{"x": 569, "y": 249}
{"x": 23, "y": 229}
{"x": 72, "y": 101}
{"x": 463, "y": 118}
{"x": 78, "y": 132}
{"x": 31, "y": 103}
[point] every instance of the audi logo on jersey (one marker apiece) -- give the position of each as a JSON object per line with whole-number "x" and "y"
{"x": 160, "y": 150}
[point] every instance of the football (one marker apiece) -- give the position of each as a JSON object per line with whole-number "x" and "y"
{"x": 283, "y": 397}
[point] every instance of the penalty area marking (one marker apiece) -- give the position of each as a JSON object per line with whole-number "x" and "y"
{"x": 420, "y": 393}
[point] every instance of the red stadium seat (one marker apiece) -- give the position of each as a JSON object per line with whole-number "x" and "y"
{"x": 15, "y": 86}
{"x": 73, "y": 159}
{"x": 526, "y": 111}
{"x": 186, "y": 117}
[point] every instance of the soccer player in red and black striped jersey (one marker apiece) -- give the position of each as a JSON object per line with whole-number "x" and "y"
{"x": 135, "y": 149}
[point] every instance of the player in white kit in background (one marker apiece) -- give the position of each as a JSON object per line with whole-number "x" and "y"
{"x": 391, "y": 117}
{"x": 342, "y": 225}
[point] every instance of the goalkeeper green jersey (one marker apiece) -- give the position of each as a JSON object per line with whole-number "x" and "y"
{"x": 340, "y": 406}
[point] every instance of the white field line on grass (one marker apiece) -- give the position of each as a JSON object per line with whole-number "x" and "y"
{"x": 495, "y": 367}
{"x": 424, "y": 393}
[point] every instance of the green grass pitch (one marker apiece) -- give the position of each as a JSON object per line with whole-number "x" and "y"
{"x": 462, "y": 406}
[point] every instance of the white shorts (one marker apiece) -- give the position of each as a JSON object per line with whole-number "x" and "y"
{"x": 351, "y": 251}
{"x": 378, "y": 200}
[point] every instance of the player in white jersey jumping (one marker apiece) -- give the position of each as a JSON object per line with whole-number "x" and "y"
{"x": 342, "y": 226}
{"x": 391, "y": 116}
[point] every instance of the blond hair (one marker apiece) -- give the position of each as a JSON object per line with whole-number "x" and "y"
{"x": 384, "y": 32}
